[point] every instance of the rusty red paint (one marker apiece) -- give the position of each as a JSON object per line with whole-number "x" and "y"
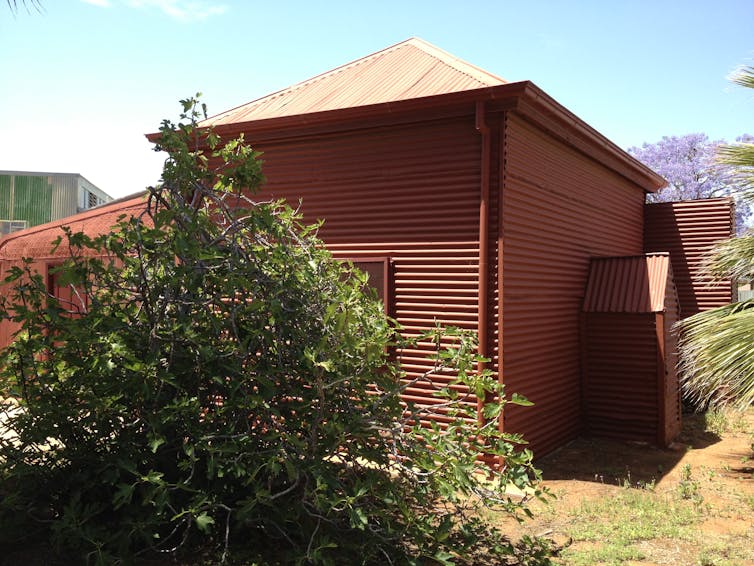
{"x": 630, "y": 386}
{"x": 688, "y": 230}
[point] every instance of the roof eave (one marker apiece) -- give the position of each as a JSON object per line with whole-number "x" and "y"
{"x": 523, "y": 97}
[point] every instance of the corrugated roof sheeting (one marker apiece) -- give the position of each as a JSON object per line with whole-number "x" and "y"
{"x": 688, "y": 230}
{"x": 559, "y": 209}
{"x": 410, "y": 69}
{"x": 37, "y": 242}
{"x": 627, "y": 284}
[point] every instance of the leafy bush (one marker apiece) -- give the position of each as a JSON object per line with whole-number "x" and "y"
{"x": 217, "y": 383}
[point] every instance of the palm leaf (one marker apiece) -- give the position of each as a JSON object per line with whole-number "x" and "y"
{"x": 717, "y": 362}
{"x": 743, "y": 76}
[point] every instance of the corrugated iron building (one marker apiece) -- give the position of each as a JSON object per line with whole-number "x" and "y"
{"x": 29, "y": 199}
{"x": 631, "y": 388}
{"x": 475, "y": 202}
{"x": 489, "y": 199}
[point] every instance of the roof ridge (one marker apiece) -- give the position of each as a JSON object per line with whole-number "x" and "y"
{"x": 472, "y": 71}
{"x": 310, "y": 80}
{"x": 448, "y": 58}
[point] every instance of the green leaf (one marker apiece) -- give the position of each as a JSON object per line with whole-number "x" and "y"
{"x": 155, "y": 443}
{"x": 203, "y": 522}
{"x": 517, "y": 399}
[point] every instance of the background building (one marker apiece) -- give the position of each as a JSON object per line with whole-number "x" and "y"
{"x": 30, "y": 198}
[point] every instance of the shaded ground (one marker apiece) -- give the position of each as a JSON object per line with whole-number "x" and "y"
{"x": 628, "y": 503}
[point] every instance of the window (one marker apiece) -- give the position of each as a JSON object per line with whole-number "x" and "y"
{"x": 72, "y": 299}
{"x": 380, "y": 279}
{"x": 8, "y": 226}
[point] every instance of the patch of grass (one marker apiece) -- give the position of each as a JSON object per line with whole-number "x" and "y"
{"x": 618, "y": 522}
{"x": 722, "y": 421}
{"x": 730, "y": 551}
{"x": 608, "y": 555}
{"x": 749, "y": 501}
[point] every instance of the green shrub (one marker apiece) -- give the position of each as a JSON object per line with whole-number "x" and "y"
{"x": 219, "y": 384}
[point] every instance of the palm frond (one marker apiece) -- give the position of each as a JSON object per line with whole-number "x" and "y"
{"x": 717, "y": 365}
{"x": 731, "y": 259}
{"x": 14, "y": 4}
{"x": 737, "y": 155}
{"x": 743, "y": 76}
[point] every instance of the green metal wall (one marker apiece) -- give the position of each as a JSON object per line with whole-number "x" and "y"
{"x": 32, "y": 200}
{"x": 5, "y": 212}
{"x": 26, "y": 197}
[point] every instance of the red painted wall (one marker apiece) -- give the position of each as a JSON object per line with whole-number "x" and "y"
{"x": 559, "y": 208}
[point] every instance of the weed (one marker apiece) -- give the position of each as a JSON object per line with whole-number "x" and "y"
{"x": 610, "y": 556}
{"x": 688, "y": 487}
{"x": 533, "y": 551}
{"x": 720, "y": 421}
{"x": 728, "y": 551}
{"x": 749, "y": 501}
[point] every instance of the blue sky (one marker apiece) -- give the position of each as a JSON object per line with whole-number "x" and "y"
{"x": 82, "y": 81}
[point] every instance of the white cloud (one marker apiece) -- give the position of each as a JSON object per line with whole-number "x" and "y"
{"x": 183, "y": 10}
{"x": 101, "y": 3}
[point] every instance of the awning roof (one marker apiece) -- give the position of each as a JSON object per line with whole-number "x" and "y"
{"x": 632, "y": 284}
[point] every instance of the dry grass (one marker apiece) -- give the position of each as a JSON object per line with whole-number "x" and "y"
{"x": 623, "y": 503}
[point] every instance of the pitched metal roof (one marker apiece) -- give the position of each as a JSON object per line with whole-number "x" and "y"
{"x": 36, "y": 242}
{"x": 406, "y": 70}
{"x": 633, "y": 284}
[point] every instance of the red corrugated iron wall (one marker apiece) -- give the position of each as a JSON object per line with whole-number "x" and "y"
{"x": 559, "y": 208}
{"x": 409, "y": 193}
{"x": 621, "y": 360}
{"x": 630, "y": 386}
{"x": 672, "y": 392}
{"x": 688, "y": 230}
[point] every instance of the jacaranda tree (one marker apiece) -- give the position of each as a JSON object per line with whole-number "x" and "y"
{"x": 218, "y": 384}
{"x": 690, "y": 166}
{"x": 717, "y": 346}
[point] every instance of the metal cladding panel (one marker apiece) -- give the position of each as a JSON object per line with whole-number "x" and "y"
{"x": 620, "y": 364}
{"x": 5, "y": 200}
{"x": 688, "y": 230}
{"x": 409, "y": 193}
{"x": 410, "y": 69}
{"x": 414, "y": 182}
{"x": 559, "y": 209}
{"x": 634, "y": 284}
{"x": 32, "y": 199}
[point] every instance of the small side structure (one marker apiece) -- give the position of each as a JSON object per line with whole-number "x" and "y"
{"x": 37, "y": 243}
{"x": 630, "y": 384}
{"x": 29, "y": 198}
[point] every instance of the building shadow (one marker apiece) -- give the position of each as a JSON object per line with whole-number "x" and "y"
{"x": 617, "y": 462}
